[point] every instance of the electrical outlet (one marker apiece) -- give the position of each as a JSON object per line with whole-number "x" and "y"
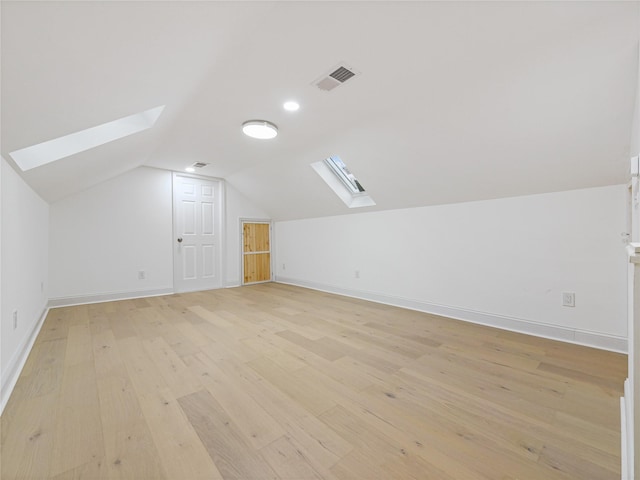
{"x": 357, "y": 273}
{"x": 15, "y": 319}
{"x": 568, "y": 299}
{"x": 142, "y": 275}
{"x": 284, "y": 266}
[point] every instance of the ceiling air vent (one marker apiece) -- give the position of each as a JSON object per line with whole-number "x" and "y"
{"x": 199, "y": 165}
{"x": 337, "y": 77}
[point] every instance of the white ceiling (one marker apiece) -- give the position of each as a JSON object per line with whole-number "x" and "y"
{"x": 455, "y": 101}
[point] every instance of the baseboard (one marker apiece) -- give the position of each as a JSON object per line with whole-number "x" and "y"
{"x": 627, "y": 433}
{"x": 553, "y": 332}
{"x": 623, "y": 440}
{"x": 106, "y": 297}
{"x": 16, "y": 364}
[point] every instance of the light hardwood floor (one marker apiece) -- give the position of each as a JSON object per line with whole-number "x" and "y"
{"x": 279, "y": 382}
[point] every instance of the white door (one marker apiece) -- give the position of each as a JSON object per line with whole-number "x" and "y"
{"x": 197, "y": 233}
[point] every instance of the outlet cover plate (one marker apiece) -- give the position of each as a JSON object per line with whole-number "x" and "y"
{"x": 568, "y": 299}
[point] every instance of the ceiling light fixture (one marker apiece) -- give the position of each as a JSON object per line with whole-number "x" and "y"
{"x": 260, "y": 129}
{"x": 291, "y": 106}
{"x": 190, "y": 169}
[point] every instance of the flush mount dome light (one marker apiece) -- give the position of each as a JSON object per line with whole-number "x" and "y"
{"x": 260, "y": 129}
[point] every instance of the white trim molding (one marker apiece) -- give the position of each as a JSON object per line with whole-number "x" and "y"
{"x": 17, "y": 362}
{"x": 107, "y": 297}
{"x": 626, "y": 432}
{"x": 538, "y": 329}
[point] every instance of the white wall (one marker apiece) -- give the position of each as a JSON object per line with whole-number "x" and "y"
{"x": 630, "y": 426}
{"x": 100, "y": 238}
{"x": 25, "y": 225}
{"x": 238, "y": 207}
{"x": 502, "y": 262}
{"x": 635, "y": 124}
{"x": 635, "y": 150}
{"x": 2, "y": 317}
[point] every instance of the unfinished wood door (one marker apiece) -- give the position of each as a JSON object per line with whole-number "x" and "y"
{"x": 256, "y": 252}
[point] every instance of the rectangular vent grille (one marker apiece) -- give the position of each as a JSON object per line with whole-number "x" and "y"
{"x": 337, "y": 77}
{"x": 199, "y": 165}
{"x": 342, "y": 74}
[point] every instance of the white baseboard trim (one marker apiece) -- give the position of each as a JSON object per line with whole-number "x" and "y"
{"x": 581, "y": 337}
{"x": 107, "y": 297}
{"x": 16, "y": 364}
{"x": 626, "y": 432}
{"x": 623, "y": 440}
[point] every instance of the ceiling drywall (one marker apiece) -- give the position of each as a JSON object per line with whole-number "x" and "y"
{"x": 454, "y": 101}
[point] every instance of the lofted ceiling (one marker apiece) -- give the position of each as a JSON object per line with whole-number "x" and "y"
{"x": 454, "y": 101}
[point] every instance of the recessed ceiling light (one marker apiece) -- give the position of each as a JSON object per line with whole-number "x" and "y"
{"x": 291, "y": 106}
{"x": 190, "y": 169}
{"x": 260, "y": 129}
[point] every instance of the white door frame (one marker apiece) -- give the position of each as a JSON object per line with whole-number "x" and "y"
{"x": 242, "y": 221}
{"x": 221, "y": 226}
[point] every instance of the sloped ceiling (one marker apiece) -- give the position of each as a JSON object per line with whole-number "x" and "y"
{"x": 455, "y": 101}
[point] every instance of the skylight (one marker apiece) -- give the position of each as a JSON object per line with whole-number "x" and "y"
{"x": 344, "y": 183}
{"x": 67, "y": 145}
{"x": 342, "y": 172}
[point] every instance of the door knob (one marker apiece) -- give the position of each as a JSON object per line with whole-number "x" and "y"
{"x": 179, "y": 239}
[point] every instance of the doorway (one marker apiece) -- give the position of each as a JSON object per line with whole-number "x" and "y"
{"x": 197, "y": 232}
{"x": 256, "y": 251}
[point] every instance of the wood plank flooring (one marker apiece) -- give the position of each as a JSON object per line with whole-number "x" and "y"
{"x": 277, "y": 382}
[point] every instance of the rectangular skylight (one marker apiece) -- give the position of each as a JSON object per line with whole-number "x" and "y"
{"x": 342, "y": 172}
{"x": 65, "y": 146}
{"x": 343, "y": 183}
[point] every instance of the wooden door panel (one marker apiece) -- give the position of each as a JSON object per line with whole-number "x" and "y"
{"x": 257, "y": 267}
{"x": 256, "y": 237}
{"x": 256, "y": 251}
